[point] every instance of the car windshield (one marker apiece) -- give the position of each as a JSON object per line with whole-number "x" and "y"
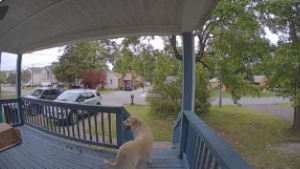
{"x": 68, "y": 96}
{"x": 37, "y": 92}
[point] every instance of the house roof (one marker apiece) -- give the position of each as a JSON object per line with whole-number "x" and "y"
{"x": 128, "y": 76}
{"x": 118, "y": 75}
{"x": 40, "y": 24}
{"x": 258, "y": 78}
{"x": 139, "y": 78}
{"x": 214, "y": 80}
{"x": 36, "y": 69}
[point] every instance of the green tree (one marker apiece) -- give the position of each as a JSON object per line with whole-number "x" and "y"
{"x": 11, "y": 78}
{"x": 230, "y": 40}
{"x": 282, "y": 17}
{"x": 25, "y": 76}
{"x": 78, "y": 59}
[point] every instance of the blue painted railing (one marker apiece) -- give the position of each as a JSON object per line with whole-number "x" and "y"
{"x": 9, "y": 112}
{"x": 90, "y": 124}
{"x": 201, "y": 147}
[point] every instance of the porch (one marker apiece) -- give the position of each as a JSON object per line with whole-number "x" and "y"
{"x": 40, "y": 150}
{"x": 38, "y": 25}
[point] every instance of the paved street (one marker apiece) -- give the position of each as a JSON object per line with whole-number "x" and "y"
{"x": 123, "y": 97}
{"x": 251, "y": 101}
{"x": 285, "y": 113}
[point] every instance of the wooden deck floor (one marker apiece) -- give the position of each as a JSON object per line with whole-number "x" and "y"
{"x": 40, "y": 150}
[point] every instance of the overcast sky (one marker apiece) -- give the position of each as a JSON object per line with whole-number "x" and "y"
{"x": 45, "y": 57}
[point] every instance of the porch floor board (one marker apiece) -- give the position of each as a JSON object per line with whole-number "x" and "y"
{"x": 40, "y": 150}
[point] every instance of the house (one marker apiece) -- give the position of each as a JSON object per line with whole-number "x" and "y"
{"x": 36, "y": 75}
{"x": 260, "y": 80}
{"x": 47, "y": 76}
{"x": 214, "y": 84}
{"x": 114, "y": 80}
{"x": 129, "y": 80}
{"x": 139, "y": 81}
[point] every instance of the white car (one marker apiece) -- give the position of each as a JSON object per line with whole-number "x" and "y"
{"x": 80, "y": 96}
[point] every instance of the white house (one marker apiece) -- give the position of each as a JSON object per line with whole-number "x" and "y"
{"x": 113, "y": 80}
{"x": 47, "y": 76}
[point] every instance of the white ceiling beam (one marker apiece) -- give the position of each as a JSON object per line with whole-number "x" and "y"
{"x": 146, "y": 30}
{"x": 196, "y": 13}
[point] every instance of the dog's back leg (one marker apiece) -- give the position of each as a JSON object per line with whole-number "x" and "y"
{"x": 118, "y": 162}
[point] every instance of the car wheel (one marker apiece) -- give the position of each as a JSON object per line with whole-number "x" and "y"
{"x": 73, "y": 117}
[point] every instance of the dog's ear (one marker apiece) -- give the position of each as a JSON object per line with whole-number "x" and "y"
{"x": 135, "y": 122}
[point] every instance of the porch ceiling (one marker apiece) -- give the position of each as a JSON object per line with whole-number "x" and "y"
{"x": 31, "y": 25}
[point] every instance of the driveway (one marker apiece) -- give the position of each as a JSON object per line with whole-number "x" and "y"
{"x": 124, "y": 97}
{"x": 285, "y": 113}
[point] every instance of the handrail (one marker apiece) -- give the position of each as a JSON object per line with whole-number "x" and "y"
{"x": 10, "y": 112}
{"x": 92, "y": 124}
{"x": 203, "y": 148}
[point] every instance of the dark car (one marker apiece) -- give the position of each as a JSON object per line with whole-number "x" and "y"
{"x": 45, "y": 93}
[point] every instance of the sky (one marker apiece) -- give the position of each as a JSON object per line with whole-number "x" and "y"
{"x": 46, "y": 57}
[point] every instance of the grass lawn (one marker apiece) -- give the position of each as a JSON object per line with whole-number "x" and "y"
{"x": 106, "y": 91}
{"x": 226, "y": 94}
{"x": 255, "y": 136}
{"x": 258, "y": 137}
{"x": 285, "y": 104}
{"x": 162, "y": 129}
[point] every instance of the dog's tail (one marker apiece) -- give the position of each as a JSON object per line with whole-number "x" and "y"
{"x": 117, "y": 163}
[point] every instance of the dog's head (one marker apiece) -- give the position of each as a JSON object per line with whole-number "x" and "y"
{"x": 132, "y": 123}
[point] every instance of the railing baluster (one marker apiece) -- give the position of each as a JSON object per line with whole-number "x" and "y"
{"x": 78, "y": 125}
{"x": 47, "y": 119}
{"x": 197, "y": 141}
{"x": 90, "y": 128}
{"x": 83, "y": 125}
{"x": 68, "y": 119}
{"x": 102, "y": 128}
{"x": 216, "y": 165}
{"x": 209, "y": 161}
{"x": 96, "y": 126}
{"x": 109, "y": 127}
{"x": 55, "y": 109}
{"x": 73, "y": 131}
{"x": 204, "y": 158}
{"x": 200, "y": 153}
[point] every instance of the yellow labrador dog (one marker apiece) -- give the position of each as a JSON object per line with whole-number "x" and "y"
{"x": 131, "y": 152}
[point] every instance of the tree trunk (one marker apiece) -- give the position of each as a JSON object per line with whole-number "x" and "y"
{"x": 296, "y": 123}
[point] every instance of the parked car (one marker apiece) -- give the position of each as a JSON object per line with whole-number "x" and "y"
{"x": 80, "y": 96}
{"x": 44, "y": 93}
{"x": 31, "y": 84}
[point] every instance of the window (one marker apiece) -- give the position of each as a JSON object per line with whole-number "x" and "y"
{"x": 90, "y": 95}
{"x": 111, "y": 81}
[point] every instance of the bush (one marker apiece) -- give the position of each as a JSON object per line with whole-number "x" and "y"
{"x": 166, "y": 98}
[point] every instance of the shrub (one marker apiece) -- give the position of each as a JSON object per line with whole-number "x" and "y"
{"x": 166, "y": 98}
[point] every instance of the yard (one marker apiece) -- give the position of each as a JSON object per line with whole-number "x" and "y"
{"x": 262, "y": 140}
{"x": 226, "y": 94}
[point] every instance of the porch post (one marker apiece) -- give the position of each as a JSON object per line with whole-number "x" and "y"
{"x": 188, "y": 86}
{"x": 18, "y": 87}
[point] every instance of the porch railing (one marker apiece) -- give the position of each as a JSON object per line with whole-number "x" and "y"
{"x": 91, "y": 124}
{"x": 201, "y": 147}
{"x": 9, "y": 112}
